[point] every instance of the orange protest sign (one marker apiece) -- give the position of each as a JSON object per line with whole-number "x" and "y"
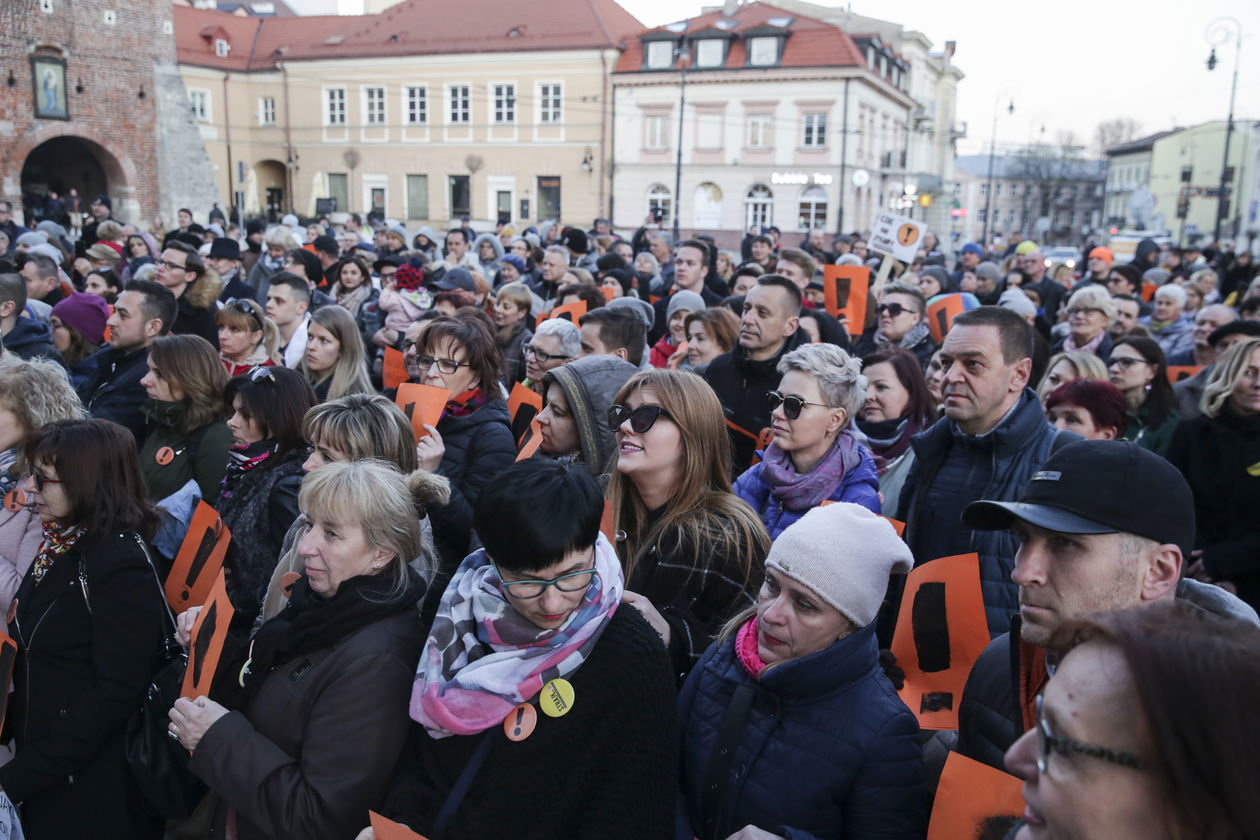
{"x": 974, "y": 800}
{"x": 1176, "y": 373}
{"x": 422, "y": 404}
{"x": 209, "y": 633}
{"x": 941, "y": 314}
{"x": 898, "y": 526}
{"x": 530, "y": 442}
{"x": 199, "y": 559}
{"x": 941, "y": 631}
{"x": 523, "y": 397}
{"x": 8, "y": 657}
{"x": 389, "y": 830}
{"x": 845, "y": 289}
{"x": 606, "y": 522}
{"x": 569, "y": 312}
{"x": 679, "y": 354}
{"x": 393, "y": 369}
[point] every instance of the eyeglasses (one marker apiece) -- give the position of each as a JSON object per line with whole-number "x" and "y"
{"x": 1125, "y": 362}
{"x": 1051, "y": 743}
{"x": 444, "y": 365}
{"x": 641, "y": 419}
{"x": 1084, "y": 310}
{"x": 893, "y": 309}
{"x": 792, "y": 404}
{"x": 244, "y": 308}
{"x": 171, "y": 265}
{"x": 260, "y": 373}
{"x": 527, "y": 349}
{"x": 524, "y": 589}
{"x": 40, "y": 480}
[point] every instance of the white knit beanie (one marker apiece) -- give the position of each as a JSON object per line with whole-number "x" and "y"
{"x": 844, "y": 554}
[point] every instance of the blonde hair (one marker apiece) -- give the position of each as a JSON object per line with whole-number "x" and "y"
{"x": 37, "y": 392}
{"x": 517, "y": 294}
{"x": 363, "y": 426}
{"x": 1086, "y": 365}
{"x": 702, "y": 509}
{"x": 1226, "y": 372}
{"x": 278, "y": 236}
{"x": 838, "y": 374}
{"x": 1094, "y": 296}
{"x": 349, "y": 373}
{"x": 230, "y": 316}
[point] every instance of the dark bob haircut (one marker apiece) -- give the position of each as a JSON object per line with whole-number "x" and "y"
{"x": 480, "y": 351}
{"x": 99, "y": 470}
{"x": 920, "y": 409}
{"x": 537, "y": 511}
{"x": 277, "y": 398}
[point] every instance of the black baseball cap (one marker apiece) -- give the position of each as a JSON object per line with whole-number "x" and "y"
{"x": 1099, "y": 487}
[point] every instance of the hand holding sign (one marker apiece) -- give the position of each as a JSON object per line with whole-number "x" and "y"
{"x": 423, "y": 405}
{"x": 209, "y": 633}
{"x": 199, "y": 559}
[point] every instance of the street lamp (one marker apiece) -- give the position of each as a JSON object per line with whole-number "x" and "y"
{"x": 683, "y": 55}
{"x": 1218, "y": 33}
{"x": 988, "y": 198}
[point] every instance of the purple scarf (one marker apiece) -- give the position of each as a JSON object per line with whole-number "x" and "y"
{"x": 802, "y": 492}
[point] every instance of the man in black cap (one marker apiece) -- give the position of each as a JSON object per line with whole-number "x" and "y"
{"x": 575, "y": 240}
{"x": 225, "y": 258}
{"x": 254, "y": 232}
{"x": 1103, "y": 525}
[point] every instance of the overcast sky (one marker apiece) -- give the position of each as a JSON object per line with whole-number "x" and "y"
{"x": 1072, "y": 65}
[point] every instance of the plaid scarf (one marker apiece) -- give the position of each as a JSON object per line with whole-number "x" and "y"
{"x": 58, "y": 539}
{"x": 466, "y": 403}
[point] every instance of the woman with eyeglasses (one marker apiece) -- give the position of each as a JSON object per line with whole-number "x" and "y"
{"x": 88, "y": 619}
{"x": 1114, "y": 753}
{"x": 335, "y": 362}
{"x": 555, "y": 342}
{"x": 247, "y": 337}
{"x": 544, "y": 709}
{"x": 259, "y": 496}
{"x": 897, "y": 407}
{"x": 185, "y": 438}
{"x": 1138, "y": 369}
{"x": 692, "y": 550}
{"x": 1090, "y": 311}
{"x": 472, "y": 442}
{"x": 815, "y": 456}
{"x": 308, "y": 744}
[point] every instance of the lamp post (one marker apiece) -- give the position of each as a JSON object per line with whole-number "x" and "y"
{"x": 684, "y": 55}
{"x": 1218, "y": 33}
{"x": 988, "y": 198}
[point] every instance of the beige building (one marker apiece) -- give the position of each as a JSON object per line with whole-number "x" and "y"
{"x": 406, "y": 113}
{"x": 1185, "y": 181}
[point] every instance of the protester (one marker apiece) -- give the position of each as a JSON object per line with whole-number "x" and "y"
{"x": 533, "y": 614}
{"x": 1169, "y": 324}
{"x": 710, "y": 333}
{"x": 789, "y": 727}
{"x": 1067, "y": 366}
{"x": 196, "y": 291}
{"x": 555, "y": 342}
{"x": 277, "y": 242}
{"x": 78, "y": 326}
{"x": 352, "y": 290}
{"x": 74, "y": 694}
{"x": 247, "y": 337}
{"x": 334, "y": 363}
{"x": 1090, "y": 312}
{"x": 574, "y": 419}
{"x": 1094, "y": 409}
{"x": 934, "y": 375}
{"x": 693, "y": 550}
{"x": 1112, "y": 752}
{"x": 1137, "y": 368}
{"x": 512, "y": 333}
{"x": 308, "y": 757}
{"x": 103, "y": 283}
{"x": 897, "y": 406}
{"x": 681, "y": 304}
{"x": 902, "y": 322}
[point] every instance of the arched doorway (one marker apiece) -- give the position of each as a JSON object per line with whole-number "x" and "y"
{"x": 271, "y": 182}
{"x": 66, "y": 162}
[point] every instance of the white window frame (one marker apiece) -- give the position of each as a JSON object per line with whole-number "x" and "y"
{"x": 712, "y": 59}
{"x": 759, "y": 42}
{"x": 759, "y": 208}
{"x": 504, "y": 103}
{"x": 659, "y": 55}
{"x": 817, "y": 200}
{"x": 221, "y": 47}
{"x": 659, "y": 195}
{"x": 416, "y": 116}
{"x": 266, "y": 110}
{"x": 656, "y": 133}
{"x": 814, "y": 130}
{"x": 550, "y": 95}
{"x": 761, "y": 131}
{"x": 334, "y": 110}
{"x": 710, "y": 121}
{"x": 374, "y": 113}
{"x": 459, "y": 112}
{"x": 201, "y": 104}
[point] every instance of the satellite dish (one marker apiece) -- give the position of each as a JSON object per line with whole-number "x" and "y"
{"x": 1141, "y": 205}
{"x": 861, "y": 177}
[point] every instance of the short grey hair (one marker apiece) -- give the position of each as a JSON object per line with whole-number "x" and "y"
{"x": 279, "y": 236}
{"x": 662, "y": 237}
{"x": 849, "y": 259}
{"x": 568, "y": 333}
{"x": 1172, "y": 290}
{"x": 558, "y": 249}
{"x": 839, "y": 375}
{"x": 648, "y": 256}
{"x": 1094, "y": 296}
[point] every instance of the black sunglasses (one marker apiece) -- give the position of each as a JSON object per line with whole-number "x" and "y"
{"x": 641, "y": 418}
{"x": 893, "y": 309}
{"x": 244, "y": 308}
{"x": 261, "y": 372}
{"x": 792, "y": 404}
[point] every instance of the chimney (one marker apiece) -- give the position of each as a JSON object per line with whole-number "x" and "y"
{"x": 730, "y": 8}
{"x": 950, "y": 46}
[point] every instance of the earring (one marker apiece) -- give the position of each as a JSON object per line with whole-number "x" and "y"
{"x": 1147, "y": 386}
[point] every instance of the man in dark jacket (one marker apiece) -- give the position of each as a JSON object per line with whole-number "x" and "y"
{"x": 1104, "y": 525}
{"x": 992, "y": 438}
{"x": 743, "y": 377}
{"x": 23, "y": 337}
{"x": 181, "y": 270}
{"x": 691, "y": 264}
{"x": 112, "y": 390}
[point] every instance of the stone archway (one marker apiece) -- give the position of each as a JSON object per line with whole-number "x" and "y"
{"x": 271, "y": 188}
{"x": 68, "y": 161}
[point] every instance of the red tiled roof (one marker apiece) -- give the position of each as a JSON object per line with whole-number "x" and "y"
{"x": 413, "y": 27}
{"x": 812, "y": 43}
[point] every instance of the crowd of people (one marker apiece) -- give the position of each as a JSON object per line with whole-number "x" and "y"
{"x": 664, "y": 607}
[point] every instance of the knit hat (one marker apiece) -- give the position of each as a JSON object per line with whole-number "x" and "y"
{"x": 254, "y": 226}
{"x": 1103, "y": 254}
{"x": 972, "y": 248}
{"x": 515, "y": 261}
{"x": 532, "y": 238}
{"x": 400, "y": 232}
{"x": 575, "y": 240}
{"x": 638, "y": 306}
{"x": 989, "y": 271}
{"x": 844, "y": 554}
{"x": 1026, "y": 247}
{"x": 216, "y": 229}
{"x": 1018, "y": 302}
{"x": 289, "y": 220}
{"x": 86, "y": 313}
{"x": 224, "y": 248}
{"x": 51, "y": 228}
{"x": 685, "y": 301}
{"x": 51, "y": 252}
{"x": 409, "y": 277}
{"x": 1156, "y": 275}
{"x": 32, "y": 238}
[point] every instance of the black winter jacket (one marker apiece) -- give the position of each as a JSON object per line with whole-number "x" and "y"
{"x": 31, "y": 339}
{"x": 112, "y": 389}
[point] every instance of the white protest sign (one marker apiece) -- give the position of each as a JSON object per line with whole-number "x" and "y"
{"x": 898, "y": 236}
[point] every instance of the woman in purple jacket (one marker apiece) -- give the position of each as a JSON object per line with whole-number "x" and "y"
{"x": 815, "y": 457}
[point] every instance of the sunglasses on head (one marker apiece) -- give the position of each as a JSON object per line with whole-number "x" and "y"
{"x": 261, "y": 373}
{"x": 641, "y": 418}
{"x": 792, "y": 404}
{"x": 893, "y": 309}
{"x": 245, "y": 309}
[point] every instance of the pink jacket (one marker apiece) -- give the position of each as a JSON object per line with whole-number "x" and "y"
{"x": 20, "y": 536}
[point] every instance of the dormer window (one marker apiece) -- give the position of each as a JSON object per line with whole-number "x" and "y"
{"x": 660, "y": 55}
{"x": 221, "y": 47}
{"x": 710, "y": 52}
{"x": 763, "y": 51}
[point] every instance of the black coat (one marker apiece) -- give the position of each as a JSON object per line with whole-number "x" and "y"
{"x": 112, "y": 389}
{"x": 80, "y": 675}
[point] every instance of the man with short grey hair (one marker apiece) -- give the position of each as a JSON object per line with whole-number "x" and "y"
{"x": 554, "y": 265}
{"x": 1206, "y": 321}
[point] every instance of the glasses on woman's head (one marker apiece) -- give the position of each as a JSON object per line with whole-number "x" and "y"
{"x": 1125, "y": 362}
{"x": 444, "y": 365}
{"x": 527, "y": 589}
{"x": 528, "y": 349}
{"x": 40, "y": 480}
{"x": 261, "y": 373}
{"x": 1051, "y": 743}
{"x": 792, "y": 404}
{"x": 245, "y": 309}
{"x": 641, "y": 419}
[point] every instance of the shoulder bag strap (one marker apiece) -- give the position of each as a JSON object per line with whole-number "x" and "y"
{"x": 462, "y": 784}
{"x": 723, "y": 757}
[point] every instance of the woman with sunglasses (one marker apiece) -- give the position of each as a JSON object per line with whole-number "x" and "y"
{"x": 185, "y": 437}
{"x": 335, "y": 362}
{"x": 247, "y": 337}
{"x": 815, "y": 456}
{"x": 692, "y": 549}
{"x": 551, "y": 705}
{"x": 88, "y": 620}
{"x": 1114, "y": 752}
{"x": 1138, "y": 369}
{"x": 259, "y": 497}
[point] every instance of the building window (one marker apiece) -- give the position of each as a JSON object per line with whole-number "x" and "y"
{"x": 459, "y": 190}
{"x": 997, "y": 190}
{"x": 763, "y": 51}
{"x": 417, "y": 196}
{"x": 710, "y": 52}
{"x": 267, "y": 110}
{"x": 339, "y": 190}
{"x": 199, "y": 100}
{"x": 759, "y": 127}
{"x": 548, "y": 196}
{"x": 221, "y": 48}
{"x": 505, "y": 103}
{"x": 813, "y": 209}
{"x": 460, "y": 110}
{"x": 335, "y": 106}
{"x": 660, "y": 55}
{"x": 417, "y": 108}
{"x": 550, "y": 97}
{"x": 815, "y": 131}
{"x": 374, "y": 105}
{"x": 758, "y": 206}
{"x": 656, "y": 132}
{"x": 660, "y": 200}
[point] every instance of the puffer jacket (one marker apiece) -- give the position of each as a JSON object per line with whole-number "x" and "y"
{"x": 951, "y": 470}
{"x": 590, "y": 384}
{"x": 828, "y": 750}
